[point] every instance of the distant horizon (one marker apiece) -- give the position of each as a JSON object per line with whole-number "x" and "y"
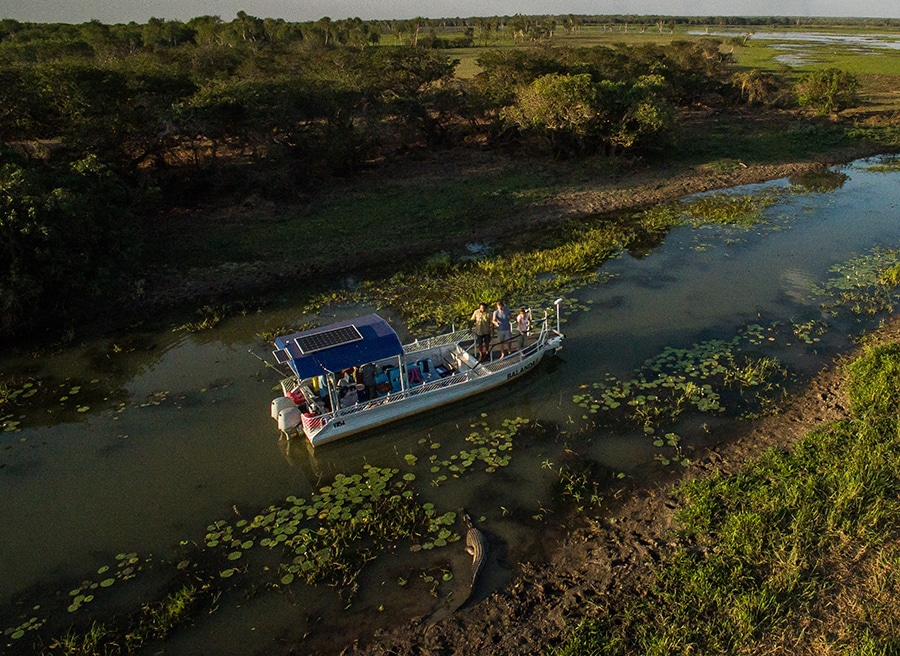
{"x": 141, "y": 11}
{"x": 460, "y": 17}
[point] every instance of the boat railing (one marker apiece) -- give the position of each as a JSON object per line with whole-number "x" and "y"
{"x": 393, "y": 397}
{"x": 290, "y": 384}
{"x": 314, "y": 424}
{"x": 433, "y": 342}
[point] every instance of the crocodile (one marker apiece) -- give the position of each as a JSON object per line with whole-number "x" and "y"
{"x": 477, "y": 547}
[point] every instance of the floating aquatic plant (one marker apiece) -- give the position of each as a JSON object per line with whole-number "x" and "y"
{"x": 128, "y": 566}
{"x": 711, "y": 376}
{"x": 743, "y": 210}
{"x": 887, "y": 165}
{"x": 31, "y": 624}
{"x": 331, "y": 536}
{"x": 581, "y": 485}
{"x": 809, "y": 332}
{"x": 29, "y": 401}
{"x": 865, "y": 284}
{"x": 491, "y": 448}
{"x": 209, "y": 317}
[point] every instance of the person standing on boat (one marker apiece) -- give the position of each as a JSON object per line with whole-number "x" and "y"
{"x": 500, "y": 319}
{"x": 522, "y": 326}
{"x": 368, "y": 374}
{"x": 482, "y": 330}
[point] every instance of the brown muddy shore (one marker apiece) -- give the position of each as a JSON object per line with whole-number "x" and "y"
{"x": 635, "y": 186}
{"x": 599, "y": 564}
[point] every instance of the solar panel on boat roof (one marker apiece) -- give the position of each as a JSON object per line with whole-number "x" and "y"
{"x": 328, "y": 339}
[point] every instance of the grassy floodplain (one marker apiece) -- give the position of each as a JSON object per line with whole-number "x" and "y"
{"x": 441, "y": 202}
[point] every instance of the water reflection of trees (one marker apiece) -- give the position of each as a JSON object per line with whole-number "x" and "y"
{"x": 819, "y": 181}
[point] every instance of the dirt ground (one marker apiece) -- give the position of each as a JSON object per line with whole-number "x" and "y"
{"x": 596, "y": 565}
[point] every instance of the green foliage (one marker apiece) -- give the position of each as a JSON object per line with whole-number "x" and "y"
{"x": 578, "y": 115}
{"x": 186, "y": 111}
{"x": 827, "y": 91}
{"x": 65, "y": 240}
{"x": 865, "y": 284}
{"x": 744, "y": 210}
{"x": 758, "y": 87}
{"x": 522, "y": 278}
{"x": 887, "y": 136}
{"x": 712, "y": 377}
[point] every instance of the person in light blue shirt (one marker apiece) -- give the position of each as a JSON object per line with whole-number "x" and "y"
{"x": 500, "y": 320}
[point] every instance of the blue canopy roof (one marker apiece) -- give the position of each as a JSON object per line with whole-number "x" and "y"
{"x": 339, "y": 346}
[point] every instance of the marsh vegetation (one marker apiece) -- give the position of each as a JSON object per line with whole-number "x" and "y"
{"x": 109, "y": 206}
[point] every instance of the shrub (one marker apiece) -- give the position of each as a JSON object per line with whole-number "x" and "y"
{"x": 827, "y": 91}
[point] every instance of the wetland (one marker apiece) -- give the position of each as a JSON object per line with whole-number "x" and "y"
{"x": 147, "y": 494}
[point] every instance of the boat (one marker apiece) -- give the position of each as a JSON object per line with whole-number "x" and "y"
{"x": 325, "y": 398}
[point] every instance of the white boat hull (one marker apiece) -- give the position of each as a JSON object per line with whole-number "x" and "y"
{"x": 451, "y": 374}
{"x": 431, "y": 395}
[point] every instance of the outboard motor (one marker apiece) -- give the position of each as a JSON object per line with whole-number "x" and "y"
{"x": 289, "y": 419}
{"x": 281, "y": 403}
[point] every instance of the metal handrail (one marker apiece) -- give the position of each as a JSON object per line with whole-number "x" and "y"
{"x": 433, "y": 342}
{"x": 456, "y": 379}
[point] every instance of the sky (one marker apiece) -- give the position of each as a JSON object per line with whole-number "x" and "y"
{"x": 124, "y": 11}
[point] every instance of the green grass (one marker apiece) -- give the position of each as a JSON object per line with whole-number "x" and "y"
{"x": 795, "y": 553}
{"x": 418, "y": 211}
{"x": 874, "y": 385}
{"x": 753, "y": 142}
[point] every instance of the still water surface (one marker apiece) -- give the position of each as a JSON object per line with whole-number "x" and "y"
{"x": 165, "y": 433}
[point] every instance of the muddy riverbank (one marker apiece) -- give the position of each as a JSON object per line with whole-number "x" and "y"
{"x": 602, "y": 188}
{"x": 598, "y": 565}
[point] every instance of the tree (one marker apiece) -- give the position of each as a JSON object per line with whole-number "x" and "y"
{"x": 66, "y": 239}
{"x": 827, "y": 91}
{"x": 562, "y": 109}
{"x": 575, "y": 115}
{"x": 158, "y": 32}
{"x": 645, "y": 113}
{"x": 503, "y": 72}
{"x": 207, "y": 30}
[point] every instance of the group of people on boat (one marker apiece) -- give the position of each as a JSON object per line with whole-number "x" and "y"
{"x": 484, "y": 325}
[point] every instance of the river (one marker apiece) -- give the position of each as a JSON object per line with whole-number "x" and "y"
{"x": 143, "y": 440}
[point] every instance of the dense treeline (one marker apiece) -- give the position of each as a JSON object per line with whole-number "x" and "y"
{"x": 102, "y": 123}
